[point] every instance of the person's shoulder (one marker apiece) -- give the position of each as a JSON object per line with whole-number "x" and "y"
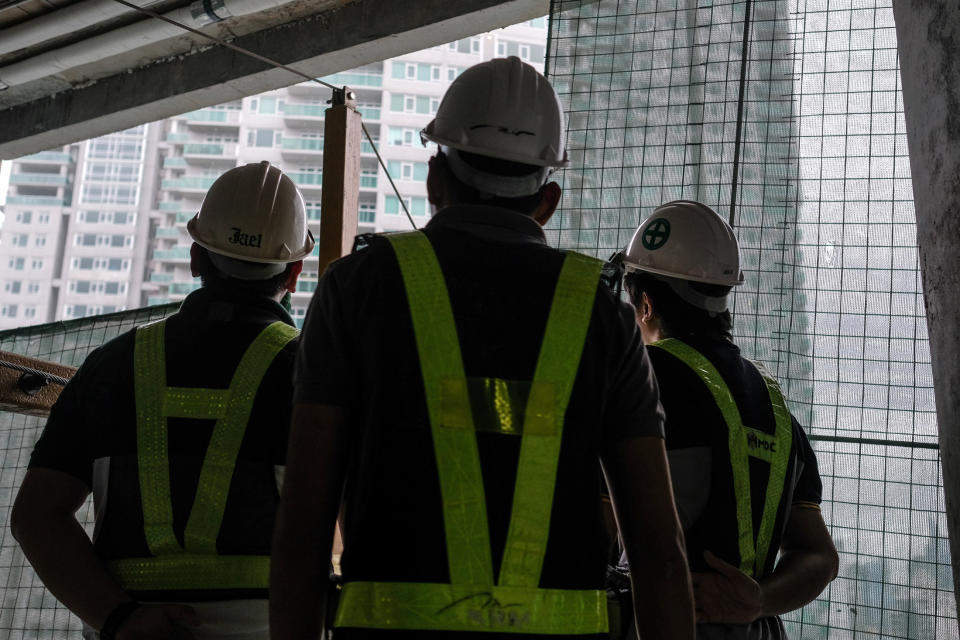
{"x": 370, "y": 251}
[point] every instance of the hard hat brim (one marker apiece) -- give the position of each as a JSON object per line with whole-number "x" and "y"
{"x": 727, "y": 282}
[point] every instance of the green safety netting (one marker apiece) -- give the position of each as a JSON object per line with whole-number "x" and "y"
{"x": 786, "y": 116}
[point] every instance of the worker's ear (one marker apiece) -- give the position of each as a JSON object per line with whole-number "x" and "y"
{"x": 549, "y": 200}
{"x": 291, "y": 283}
{"x": 645, "y": 311}
{"x": 194, "y": 260}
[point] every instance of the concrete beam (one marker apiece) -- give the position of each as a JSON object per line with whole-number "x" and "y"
{"x": 349, "y": 36}
{"x": 928, "y": 35}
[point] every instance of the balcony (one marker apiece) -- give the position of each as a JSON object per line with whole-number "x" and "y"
{"x": 55, "y": 157}
{"x": 355, "y": 79}
{"x": 183, "y": 217}
{"x": 299, "y": 114}
{"x": 159, "y": 277}
{"x": 153, "y": 301}
{"x": 43, "y": 201}
{"x": 183, "y": 288}
{"x": 306, "y": 286}
{"x": 369, "y": 113}
{"x": 168, "y": 232}
{"x": 46, "y": 179}
{"x": 313, "y": 213}
{"x": 368, "y": 181}
{"x": 212, "y": 117}
{"x": 307, "y": 180}
{"x": 172, "y": 205}
{"x": 210, "y": 152}
{"x": 175, "y": 254}
{"x": 194, "y": 184}
{"x": 178, "y": 137}
{"x": 173, "y": 162}
{"x": 301, "y": 148}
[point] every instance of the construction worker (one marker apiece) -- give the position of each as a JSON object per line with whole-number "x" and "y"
{"x": 744, "y": 474}
{"x": 179, "y": 430}
{"x": 459, "y": 387}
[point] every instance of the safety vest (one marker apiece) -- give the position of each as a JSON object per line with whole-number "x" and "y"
{"x": 744, "y": 443}
{"x": 195, "y": 565}
{"x": 474, "y": 600}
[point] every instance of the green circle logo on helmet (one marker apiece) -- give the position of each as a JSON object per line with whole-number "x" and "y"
{"x": 656, "y": 234}
{"x": 503, "y": 109}
{"x": 253, "y": 214}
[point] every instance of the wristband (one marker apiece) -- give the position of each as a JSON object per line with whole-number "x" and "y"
{"x": 116, "y": 618}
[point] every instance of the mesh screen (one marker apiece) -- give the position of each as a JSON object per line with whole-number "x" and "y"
{"x": 785, "y": 116}
{"x": 28, "y": 610}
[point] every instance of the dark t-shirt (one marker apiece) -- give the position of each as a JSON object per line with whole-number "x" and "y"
{"x": 694, "y": 421}
{"x": 358, "y": 352}
{"x": 91, "y": 432}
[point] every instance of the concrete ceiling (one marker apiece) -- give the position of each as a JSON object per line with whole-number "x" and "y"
{"x": 75, "y": 69}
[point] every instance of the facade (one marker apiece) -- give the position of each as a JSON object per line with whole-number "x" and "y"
{"x": 100, "y": 226}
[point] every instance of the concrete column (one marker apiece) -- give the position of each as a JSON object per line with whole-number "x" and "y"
{"x": 928, "y": 34}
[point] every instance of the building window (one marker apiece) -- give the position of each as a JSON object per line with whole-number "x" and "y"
{"x": 8, "y": 311}
{"x": 24, "y": 217}
{"x": 12, "y": 287}
{"x": 16, "y": 264}
{"x": 43, "y": 218}
{"x": 21, "y": 239}
{"x": 33, "y": 287}
{"x": 36, "y": 265}
{"x": 29, "y": 312}
{"x": 268, "y": 104}
{"x": 525, "y": 52}
{"x": 501, "y": 49}
{"x": 40, "y": 240}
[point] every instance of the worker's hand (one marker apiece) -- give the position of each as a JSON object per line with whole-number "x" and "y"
{"x": 159, "y": 622}
{"x": 728, "y": 596}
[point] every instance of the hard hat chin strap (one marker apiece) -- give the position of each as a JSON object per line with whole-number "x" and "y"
{"x": 714, "y": 304}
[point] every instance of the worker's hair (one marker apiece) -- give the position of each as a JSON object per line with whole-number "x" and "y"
{"x": 211, "y": 276}
{"x": 461, "y": 193}
{"x": 677, "y": 317}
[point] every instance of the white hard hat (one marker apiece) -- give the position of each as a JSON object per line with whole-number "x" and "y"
{"x": 686, "y": 240}
{"x": 503, "y": 109}
{"x": 253, "y": 214}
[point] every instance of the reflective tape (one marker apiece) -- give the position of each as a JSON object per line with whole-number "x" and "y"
{"x": 744, "y": 443}
{"x": 451, "y": 422}
{"x": 155, "y": 402}
{"x": 472, "y": 602}
{"x": 192, "y": 571}
{"x": 429, "y": 606}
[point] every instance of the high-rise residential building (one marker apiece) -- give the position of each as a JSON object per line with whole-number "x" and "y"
{"x": 100, "y": 226}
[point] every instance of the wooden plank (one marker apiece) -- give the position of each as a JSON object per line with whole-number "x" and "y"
{"x": 339, "y": 201}
{"x": 13, "y": 399}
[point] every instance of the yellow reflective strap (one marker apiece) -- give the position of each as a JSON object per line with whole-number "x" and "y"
{"x": 192, "y": 571}
{"x": 448, "y": 405}
{"x": 149, "y": 383}
{"x": 556, "y": 371}
{"x": 778, "y": 471}
{"x": 427, "y": 606}
{"x": 189, "y": 402}
{"x": 216, "y": 474}
{"x": 737, "y": 442}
